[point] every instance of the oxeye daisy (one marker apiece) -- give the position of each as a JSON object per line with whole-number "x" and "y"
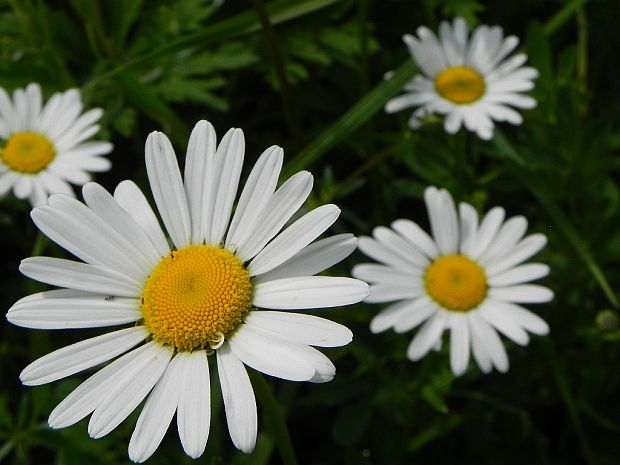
{"x": 45, "y": 147}
{"x": 470, "y": 80}
{"x": 467, "y": 279}
{"x": 209, "y": 296}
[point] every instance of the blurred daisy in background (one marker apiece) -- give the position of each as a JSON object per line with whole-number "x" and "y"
{"x": 191, "y": 302}
{"x": 472, "y": 81}
{"x": 44, "y": 148}
{"x": 467, "y": 279}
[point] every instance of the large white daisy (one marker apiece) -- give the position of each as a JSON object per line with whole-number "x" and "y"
{"x": 44, "y": 148}
{"x": 470, "y": 80}
{"x": 190, "y": 302}
{"x": 466, "y": 279}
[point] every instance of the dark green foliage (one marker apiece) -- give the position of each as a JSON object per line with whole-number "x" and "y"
{"x": 159, "y": 65}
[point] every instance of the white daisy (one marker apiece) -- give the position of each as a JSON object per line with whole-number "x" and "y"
{"x": 471, "y": 81}
{"x": 189, "y": 300}
{"x": 466, "y": 279}
{"x": 44, "y": 148}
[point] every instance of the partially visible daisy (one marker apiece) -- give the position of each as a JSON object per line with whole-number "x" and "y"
{"x": 44, "y": 148}
{"x": 206, "y": 297}
{"x": 467, "y": 279}
{"x": 470, "y": 80}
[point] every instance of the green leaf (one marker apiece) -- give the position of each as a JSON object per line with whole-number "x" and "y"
{"x": 145, "y": 100}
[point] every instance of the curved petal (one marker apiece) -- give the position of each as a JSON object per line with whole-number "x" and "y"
{"x": 80, "y": 276}
{"x": 81, "y": 356}
{"x": 130, "y": 388}
{"x": 156, "y": 414}
{"x": 313, "y": 258}
{"x": 239, "y": 401}
{"x": 194, "y": 412}
{"x": 309, "y": 292}
{"x": 301, "y": 329}
{"x": 167, "y": 187}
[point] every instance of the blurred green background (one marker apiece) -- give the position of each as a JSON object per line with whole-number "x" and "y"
{"x": 308, "y": 75}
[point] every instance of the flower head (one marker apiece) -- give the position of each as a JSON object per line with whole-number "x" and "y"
{"x": 471, "y": 81}
{"x": 44, "y": 147}
{"x": 196, "y": 299}
{"x": 467, "y": 279}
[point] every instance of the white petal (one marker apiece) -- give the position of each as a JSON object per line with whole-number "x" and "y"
{"x": 256, "y": 193}
{"x": 76, "y": 228}
{"x": 301, "y": 329}
{"x": 398, "y": 245}
{"x": 130, "y": 389}
{"x": 390, "y": 292}
{"x": 469, "y": 227}
{"x": 294, "y": 238}
{"x": 520, "y": 274}
{"x": 269, "y": 354}
{"x": 103, "y": 204}
{"x": 381, "y": 253}
{"x": 416, "y": 312}
{"x": 167, "y": 187}
{"x": 74, "y": 312}
{"x": 88, "y": 395}
{"x": 198, "y": 185}
{"x": 522, "y": 316}
{"x": 80, "y": 356}
{"x": 524, "y": 293}
{"x": 79, "y": 276}
{"x": 228, "y": 164}
{"x": 427, "y": 336}
{"x": 478, "y": 347}
{"x": 502, "y": 321}
{"x": 442, "y": 215}
{"x": 416, "y": 236}
{"x": 507, "y": 237}
{"x": 276, "y": 212}
{"x": 487, "y": 231}
{"x": 194, "y": 411}
{"x": 131, "y": 199}
{"x": 459, "y": 344}
{"x": 313, "y": 258}
{"x": 389, "y": 316}
{"x": 521, "y": 252}
{"x": 487, "y": 336}
{"x": 309, "y": 292}
{"x": 239, "y": 401}
{"x": 157, "y": 413}
{"x": 381, "y": 274}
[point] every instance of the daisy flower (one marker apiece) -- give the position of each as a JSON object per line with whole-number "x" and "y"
{"x": 45, "y": 147}
{"x": 471, "y": 81}
{"x": 189, "y": 303}
{"x": 467, "y": 279}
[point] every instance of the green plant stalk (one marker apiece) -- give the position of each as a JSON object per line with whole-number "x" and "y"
{"x": 567, "y": 397}
{"x": 352, "y": 120}
{"x": 562, "y": 16}
{"x": 275, "y": 418}
{"x": 279, "y": 65}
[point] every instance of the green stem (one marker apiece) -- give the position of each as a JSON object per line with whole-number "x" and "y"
{"x": 40, "y": 244}
{"x": 378, "y": 157}
{"x": 562, "y": 16}
{"x": 352, "y": 120}
{"x": 279, "y": 66}
{"x": 567, "y": 396}
{"x": 275, "y": 418}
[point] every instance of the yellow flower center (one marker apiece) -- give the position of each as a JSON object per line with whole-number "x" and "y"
{"x": 456, "y": 283}
{"x": 27, "y": 152}
{"x": 195, "y": 297}
{"x": 460, "y": 84}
